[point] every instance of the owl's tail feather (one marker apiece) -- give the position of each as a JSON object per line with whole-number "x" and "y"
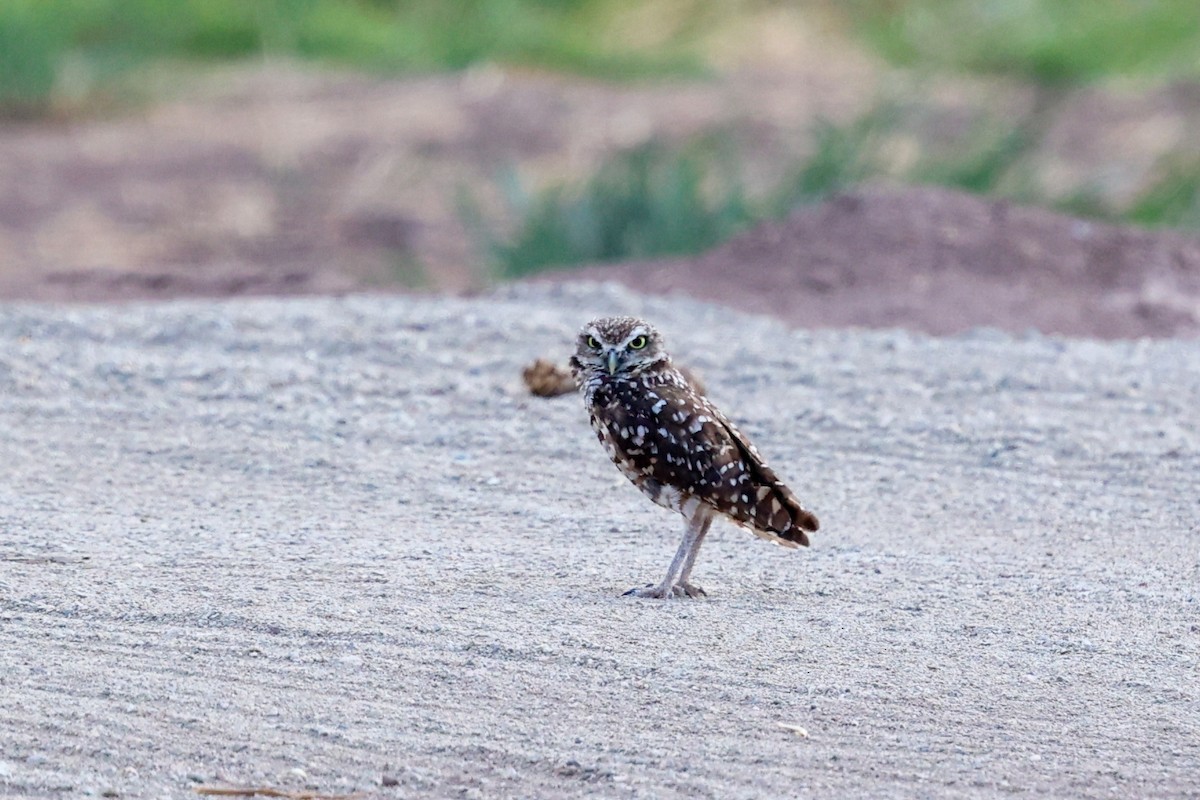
{"x": 803, "y": 523}
{"x": 779, "y": 513}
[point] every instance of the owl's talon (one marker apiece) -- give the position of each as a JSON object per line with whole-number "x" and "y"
{"x": 650, "y": 591}
{"x": 680, "y": 590}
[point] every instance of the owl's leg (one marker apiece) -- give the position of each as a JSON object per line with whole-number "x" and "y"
{"x": 697, "y": 526}
{"x": 683, "y": 585}
{"x": 667, "y": 587}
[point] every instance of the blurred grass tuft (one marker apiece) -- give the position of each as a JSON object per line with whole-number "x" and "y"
{"x": 104, "y": 38}
{"x": 1045, "y": 41}
{"x": 648, "y": 201}
{"x": 1174, "y": 200}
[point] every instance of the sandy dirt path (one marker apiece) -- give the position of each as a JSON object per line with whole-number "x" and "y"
{"x": 331, "y": 543}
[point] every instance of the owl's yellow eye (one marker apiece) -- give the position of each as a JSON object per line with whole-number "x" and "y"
{"x": 592, "y": 343}
{"x": 638, "y": 343}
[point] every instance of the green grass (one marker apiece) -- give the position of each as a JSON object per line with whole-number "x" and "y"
{"x": 40, "y": 40}
{"x": 1046, "y": 41}
{"x": 981, "y": 169}
{"x": 1173, "y": 201}
{"x": 29, "y": 48}
{"x": 648, "y": 201}
{"x": 90, "y": 42}
{"x": 844, "y": 156}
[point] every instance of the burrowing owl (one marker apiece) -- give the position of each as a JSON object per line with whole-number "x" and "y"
{"x": 677, "y": 447}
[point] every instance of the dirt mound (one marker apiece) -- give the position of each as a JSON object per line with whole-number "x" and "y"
{"x": 942, "y": 262}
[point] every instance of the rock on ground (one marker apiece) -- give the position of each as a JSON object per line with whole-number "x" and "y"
{"x": 331, "y": 543}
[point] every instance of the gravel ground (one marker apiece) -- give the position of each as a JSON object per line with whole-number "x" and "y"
{"x": 330, "y": 543}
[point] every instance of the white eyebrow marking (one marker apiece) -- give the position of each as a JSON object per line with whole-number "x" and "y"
{"x": 640, "y": 330}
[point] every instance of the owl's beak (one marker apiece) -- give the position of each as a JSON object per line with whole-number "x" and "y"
{"x": 612, "y": 362}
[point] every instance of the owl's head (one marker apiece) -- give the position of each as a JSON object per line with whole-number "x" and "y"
{"x": 615, "y": 346}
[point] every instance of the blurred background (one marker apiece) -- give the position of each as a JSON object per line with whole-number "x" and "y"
{"x": 157, "y": 148}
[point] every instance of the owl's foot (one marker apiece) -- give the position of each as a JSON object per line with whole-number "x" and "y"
{"x": 661, "y": 592}
{"x": 650, "y": 590}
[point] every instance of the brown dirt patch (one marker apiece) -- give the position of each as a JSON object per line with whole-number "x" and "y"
{"x": 941, "y": 262}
